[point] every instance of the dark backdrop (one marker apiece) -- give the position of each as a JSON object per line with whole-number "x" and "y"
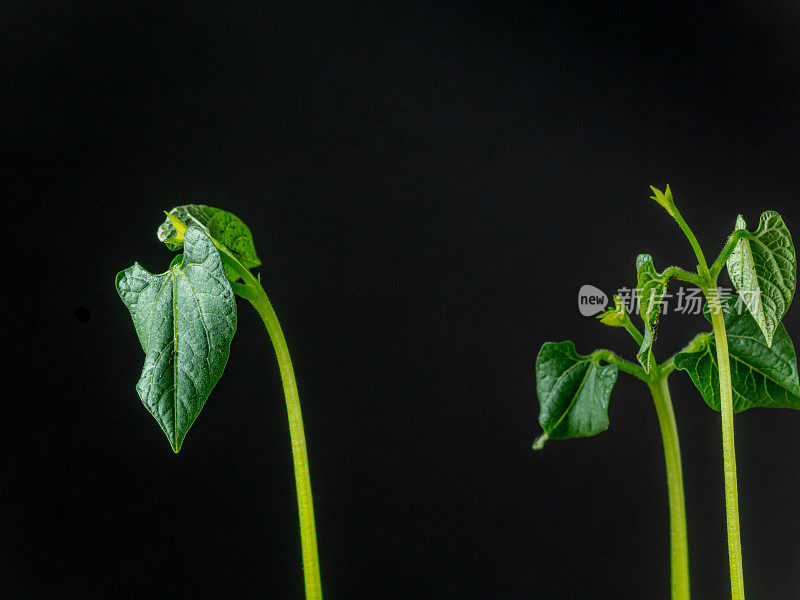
{"x": 429, "y": 186}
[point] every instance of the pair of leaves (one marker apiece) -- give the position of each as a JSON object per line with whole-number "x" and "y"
{"x": 573, "y": 392}
{"x": 185, "y": 318}
{"x": 762, "y": 374}
{"x": 763, "y": 267}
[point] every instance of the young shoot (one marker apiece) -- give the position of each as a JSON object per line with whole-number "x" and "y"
{"x": 185, "y": 319}
{"x": 746, "y": 361}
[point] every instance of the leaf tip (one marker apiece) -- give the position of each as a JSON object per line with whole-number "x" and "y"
{"x": 643, "y": 259}
{"x": 540, "y": 441}
{"x": 768, "y": 337}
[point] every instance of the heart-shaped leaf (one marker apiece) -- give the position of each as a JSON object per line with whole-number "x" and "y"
{"x": 761, "y": 375}
{"x": 650, "y": 288}
{"x": 573, "y": 392}
{"x": 225, "y": 227}
{"x": 185, "y": 319}
{"x": 763, "y": 268}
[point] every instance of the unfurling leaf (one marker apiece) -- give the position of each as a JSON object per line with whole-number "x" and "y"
{"x": 224, "y": 227}
{"x": 615, "y": 317}
{"x": 650, "y": 288}
{"x": 664, "y": 198}
{"x": 176, "y": 240}
{"x": 761, "y": 375}
{"x": 763, "y": 270}
{"x": 185, "y": 319}
{"x": 573, "y": 392}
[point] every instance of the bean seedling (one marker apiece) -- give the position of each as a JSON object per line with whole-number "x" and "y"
{"x": 747, "y": 360}
{"x": 185, "y": 319}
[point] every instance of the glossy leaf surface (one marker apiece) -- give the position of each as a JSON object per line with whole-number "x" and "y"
{"x": 761, "y": 375}
{"x": 763, "y": 268}
{"x": 573, "y": 391}
{"x": 225, "y": 227}
{"x": 185, "y": 319}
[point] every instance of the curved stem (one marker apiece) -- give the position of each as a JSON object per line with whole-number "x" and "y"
{"x": 679, "y": 553}
{"x": 631, "y": 329}
{"x": 667, "y": 367}
{"x": 687, "y": 231}
{"x": 252, "y": 290}
{"x": 723, "y": 257}
{"x": 728, "y": 447}
{"x": 305, "y": 503}
{"x": 623, "y": 364}
{"x": 698, "y": 341}
{"x": 684, "y": 275}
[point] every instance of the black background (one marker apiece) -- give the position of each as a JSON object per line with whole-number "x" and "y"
{"x": 428, "y": 186}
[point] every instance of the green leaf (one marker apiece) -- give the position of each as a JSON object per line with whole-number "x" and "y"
{"x": 763, "y": 268}
{"x": 664, "y": 198}
{"x": 761, "y": 375}
{"x": 185, "y": 319}
{"x": 225, "y": 227}
{"x": 615, "y": 317}
{"x": 573, "y": 392}
{"x": 650, "y": 288}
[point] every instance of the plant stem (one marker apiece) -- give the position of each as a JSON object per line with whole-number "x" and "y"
{"x": 657, "y": 383}
{"x": 623, "y": 364}
{"x": 635, "y": 334}
{"x": 684, "y": 275}
{"x": 305, "y": 502}
{"x": 728, "y": 448}
{"x": 679, "y": 554}
{"x": 709, "y": 286}
{"x": 252, "y": 290}
{"x": 687, "y": 231}
{"x": 716, "y": 268}
{"x": 631, "y": 329}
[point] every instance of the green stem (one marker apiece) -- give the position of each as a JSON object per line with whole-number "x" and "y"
{"x": 698, "y": 341}
{"x": 687, "y": 231}
{"x": 635, "y": 333}
{"x": 667, "y": 367}
{"x": 709, "y": 286}
{"x": 657, "y": 383}
{"x": 305, "y": 503}
{"x": 716, "y": 268}
{"x": 679, "y": 553}
{"x": 728, "y": 447}
{"x": 684, "y": 275}
{"x": 252, "y": 290}
{"x": 632, "y": 330}
{"x": 623, "y": 364}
